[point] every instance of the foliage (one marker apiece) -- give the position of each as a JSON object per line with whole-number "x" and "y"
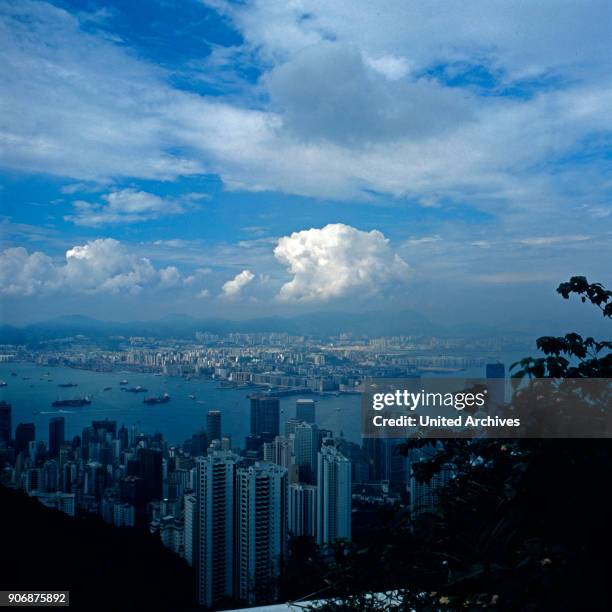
{"x": 523, "y": 525}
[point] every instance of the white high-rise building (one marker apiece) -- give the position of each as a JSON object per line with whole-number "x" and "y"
{"x": 279, "y": 451}
{"x": 214, "y": 555}
{"x": 261, "y": 530}
{"x": 334, "y": 495}
{"x": 302, "y": 510}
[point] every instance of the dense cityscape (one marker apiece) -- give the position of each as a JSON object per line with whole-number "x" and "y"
{"x": 231, "y": 508}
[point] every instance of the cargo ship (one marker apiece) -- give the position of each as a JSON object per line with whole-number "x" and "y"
{"x": 137, "y": 389}
{"x": 160, "y": 399}
{"x": 78, "y": 402}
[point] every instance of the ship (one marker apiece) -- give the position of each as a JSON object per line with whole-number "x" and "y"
{"x": 68, "y": 384}
{"x": 78, "y": 402}
{"x": 3, "y": 383}
{"x": 192, "y": 396}
{"x": 137, "y": 389}
{"x": 123, "y": 382}
{"x": 160, "y": 399}
{"x": 107, "y": 388}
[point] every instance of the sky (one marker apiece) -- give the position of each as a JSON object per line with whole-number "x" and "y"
{"x": 242, "y": 159}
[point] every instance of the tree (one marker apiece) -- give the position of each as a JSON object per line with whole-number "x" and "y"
{"x": 523, "y": 525}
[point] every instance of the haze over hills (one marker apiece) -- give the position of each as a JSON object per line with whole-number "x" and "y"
{"x": 318, "y": 324}
{"x": 183, "y": 326}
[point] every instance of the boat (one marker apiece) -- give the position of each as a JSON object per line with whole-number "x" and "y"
{"x": 68, "y": 384}
{"x": 192, "y": 396}
{"x": 3, "y": 383}
{"x": 137, "y": 389}
{"x": 107, "y": 388}
{"x": 77, "y": 402}
{"x": 123, "y": 382}
{"x": 160, "y": 399}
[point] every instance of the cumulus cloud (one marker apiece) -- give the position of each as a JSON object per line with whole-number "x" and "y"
{"x": 335, "y": 261}
{"x": 99, "y": 266}
{"x": 129, "y": 206}
{"x": 233, "y": 288}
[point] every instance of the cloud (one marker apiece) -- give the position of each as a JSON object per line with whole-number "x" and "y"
{"x": 129, "y": 206}
{"x": 233, "y": 288}
{"x": 327, "y": 91}
{"x": 99, "y": 266}
{"x": 335, "y": 261}
{"x": 520, "y": 39}
{"x": 360, "y": 106}
{"x": 539, "y": 241}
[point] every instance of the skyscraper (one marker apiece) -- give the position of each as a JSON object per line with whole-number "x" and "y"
{"x": 496, "y": 383}
{"x": 150, "y": 470}
{"x": 214, "y": 537}
{"x": 334, "y": 495}
{"x": 213, "y": 425}
{"x": 305, "y": 410}
{"x": 56, "y": 435}
{"x": 261, "y": 530}
{"x": 24, "y": 434}
{"x": 305, "y": 448}
{"x": 190, "y": 515}
{"x": 302, "y": 510}
{"x": 5, "y": 423}
{"x": 265, "y": 416}
{"x": 279, "y": 451}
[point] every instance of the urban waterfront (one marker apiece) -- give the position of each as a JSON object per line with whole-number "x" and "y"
{"x": 177, "y": 420}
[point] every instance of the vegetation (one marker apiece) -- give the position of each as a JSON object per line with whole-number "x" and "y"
{"x": 523, "y": 525}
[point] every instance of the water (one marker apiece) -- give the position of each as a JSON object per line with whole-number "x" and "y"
{"x": 177, "y": 420}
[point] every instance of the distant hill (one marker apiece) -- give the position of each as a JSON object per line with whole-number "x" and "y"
{"x": 323, "y": 324}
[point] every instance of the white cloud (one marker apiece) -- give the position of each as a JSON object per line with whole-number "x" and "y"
{"x": 129, "y": 206}
{"x": 522, "y": 39}
{"x": 349, "y": 118}
{"x": 540, "y": 241}
{"x": 335, "y": 261}
{"x": 99, "y": 266}
{"x": 233, "y": 288}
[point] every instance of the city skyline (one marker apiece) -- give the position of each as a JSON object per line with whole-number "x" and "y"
{"x": 212, "y": 158}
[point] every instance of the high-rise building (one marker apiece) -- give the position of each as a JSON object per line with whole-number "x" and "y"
{"x": 305, "y": 410}
{"x": 261, "y": 530}
{"x": 5, "y": 423}
{"x": 279, "y": 451}
{"x": 213, "y": 425}
{"x": 496, "y": 383}
{"x": 302, "y": 510}
{"x": 334, "y": 495}
{"x": 290, "y": 425}
{"x": 214, "y": 537}
{"x": 305, "y": 449}
{"x": 190, "y": 515}
{"x": 265, "y": 416}
{"x": 24, "y": 434}
{"x": 56, "y": 435}
{"x": 150, "y": 466}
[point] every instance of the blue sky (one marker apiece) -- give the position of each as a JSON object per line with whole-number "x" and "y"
{"x": 248, "y": 158}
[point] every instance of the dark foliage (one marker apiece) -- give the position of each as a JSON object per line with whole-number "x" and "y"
{"x": 103, "y": 567}
{"x": 523, "y": 525}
